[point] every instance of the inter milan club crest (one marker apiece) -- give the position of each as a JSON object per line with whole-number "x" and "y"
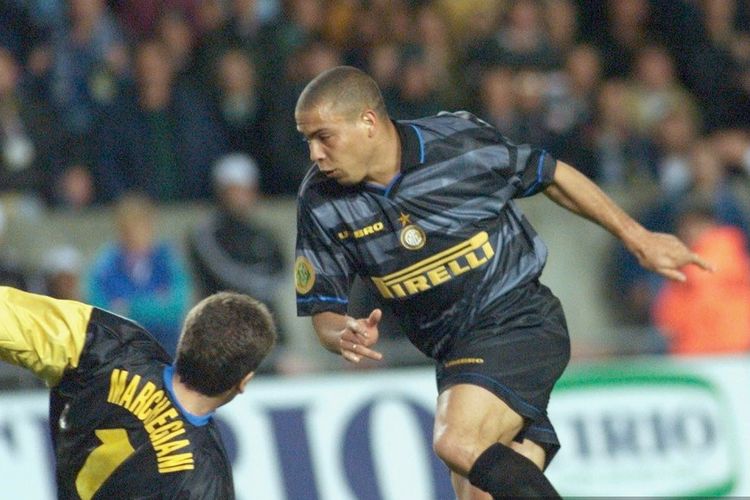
{"x": 412, "y": 236}
{"x": 304, "y": 275}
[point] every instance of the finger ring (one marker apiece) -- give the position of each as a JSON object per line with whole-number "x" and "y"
{"x": 354, "y": 347}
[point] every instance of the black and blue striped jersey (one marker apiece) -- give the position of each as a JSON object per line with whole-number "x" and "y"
{"x": 443, "y": 242}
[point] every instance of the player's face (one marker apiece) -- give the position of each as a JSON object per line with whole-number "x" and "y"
{"x": 338, "y": 144}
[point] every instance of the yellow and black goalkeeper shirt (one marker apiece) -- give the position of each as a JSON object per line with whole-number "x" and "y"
{"x": 442, "y": 243}
{"x": 118, "y": 431}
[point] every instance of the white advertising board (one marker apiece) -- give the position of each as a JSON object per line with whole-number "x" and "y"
{"x": 646, "y": 427}
{"x": 654, "y": 428}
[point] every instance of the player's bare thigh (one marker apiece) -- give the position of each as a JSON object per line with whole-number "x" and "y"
{"x": 465, "y": 490}
{"x": 468, "y": 420}
{"x": 530, "y": 450}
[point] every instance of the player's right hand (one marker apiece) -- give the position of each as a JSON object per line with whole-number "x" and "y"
{"x": 665, "y": 254}
{"x": 358, "y": 336}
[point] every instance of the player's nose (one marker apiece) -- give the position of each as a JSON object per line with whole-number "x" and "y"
{"x": 316, "y": 152}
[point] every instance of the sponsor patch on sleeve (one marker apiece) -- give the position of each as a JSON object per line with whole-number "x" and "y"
{"x": 304, "y": 275}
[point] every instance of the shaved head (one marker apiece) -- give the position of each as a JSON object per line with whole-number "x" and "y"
{"x": 348, "y": 131}
{"x": 345, "y": 90}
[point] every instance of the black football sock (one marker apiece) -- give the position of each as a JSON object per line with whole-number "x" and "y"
{"x": 504, "y": 473}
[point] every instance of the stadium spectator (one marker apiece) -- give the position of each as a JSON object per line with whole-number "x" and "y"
{"x": 710, "y": 180}
{"x": 674, "y": 136}
{"x": 288, "y": 152}
{"x": 377, "y": 23}
{"x": 160, "y": 137}
{"x": 432, "y": 36}
{"x": 300, "y": 21}
{"x": 634, "y": 288}
{"x": 717, "y": 64}
{"x": 114, "y": 388}
{"x": 530, "y": 91}
{"x": 20, "y": 33}
{"x": 90, "y": 59}
{"x": 232, "y": 251}
{"x": 211, "y": 15}
{"x": 139, "y": 18}
{"x": 562, "y": 19}
{"x": 656, "y": 89}
{"x": 343, "y": 20}
{"x": 179, "y": 37}
{"x": 571, "y": 93}
{"x": 416, "y": 92}
{"x": 520, "y": 41}
{"x": 29, "y": 136}
{"x": 571, "y": 107}
{"x": 240, "y": 29}
{"x": 733, "y": 149}
{"x": 244, "y": 23}
{"x": 710, "y": 312}
{"x": 470, "y": 21}
{"x": 242, "y": 108}
{"x": 12, "y": 272}
{"x": 61, "y": 269}
{"x": 139, "y": 276}
{"x": 622, "y": 156}
{"x": 497, "y": 100}
{"x": 72, "y": 183}
{"x": 383, "y": 61}
{"x": 620, "y": 31}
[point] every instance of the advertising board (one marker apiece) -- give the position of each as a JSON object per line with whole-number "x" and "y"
{"x": 645, "y": 427}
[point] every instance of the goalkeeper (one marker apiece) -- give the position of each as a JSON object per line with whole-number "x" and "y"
{"x": 125, "y": 421}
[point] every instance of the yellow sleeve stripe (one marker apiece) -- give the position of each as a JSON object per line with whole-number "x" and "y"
{"x": 41, "y": 334}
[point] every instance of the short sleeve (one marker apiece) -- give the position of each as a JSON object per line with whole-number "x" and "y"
{"x": 528, "y": 169}
{"x": 322, "y": 271}
{"x": 535, "y": 169}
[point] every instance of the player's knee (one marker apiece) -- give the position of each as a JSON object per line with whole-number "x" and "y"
{"x": 457, "y": 450}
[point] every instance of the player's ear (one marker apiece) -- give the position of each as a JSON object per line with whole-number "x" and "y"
{"x": 370, "y": 119}
{"x": 243, "y": 382}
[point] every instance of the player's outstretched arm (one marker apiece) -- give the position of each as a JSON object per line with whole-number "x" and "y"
{"x": 658, "y": 252}
{"x": 42, "y": 334}
{"x": 350, "y": 337}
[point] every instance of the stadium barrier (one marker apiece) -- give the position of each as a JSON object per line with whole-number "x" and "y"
{"x": 645, "y": 427}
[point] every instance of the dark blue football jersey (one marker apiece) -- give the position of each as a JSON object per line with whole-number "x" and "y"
{"x": 443, "y": 242}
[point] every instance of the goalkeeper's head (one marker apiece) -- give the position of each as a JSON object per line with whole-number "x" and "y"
{"x": 224, "y": 339}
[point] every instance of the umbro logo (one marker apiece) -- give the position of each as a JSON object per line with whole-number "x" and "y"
{"x": 361, "y": 233}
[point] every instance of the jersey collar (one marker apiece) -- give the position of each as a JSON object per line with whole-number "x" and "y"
{"x": 412, "y": 156}
{"x": 412, "y": 145}
{"x": 196, "y": 420}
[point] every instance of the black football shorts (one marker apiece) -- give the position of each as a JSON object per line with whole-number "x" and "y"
{"x": 517, "y": 354}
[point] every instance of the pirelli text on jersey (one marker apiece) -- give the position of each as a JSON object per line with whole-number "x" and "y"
{"x": 437, "y": 269}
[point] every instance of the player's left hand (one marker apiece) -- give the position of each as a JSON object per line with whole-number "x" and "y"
{"x": 358, "y": 336}
{"x": 665, "y": 254}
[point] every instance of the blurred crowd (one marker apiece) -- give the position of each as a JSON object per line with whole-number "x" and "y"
{"x": 136, "y": 103}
